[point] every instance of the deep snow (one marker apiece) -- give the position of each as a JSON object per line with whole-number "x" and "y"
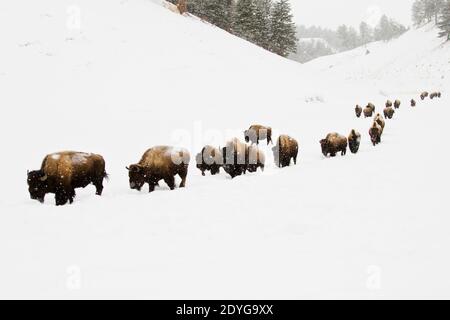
{"x": 372, "y": 225}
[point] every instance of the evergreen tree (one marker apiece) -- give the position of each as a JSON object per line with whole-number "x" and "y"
{"x": 262, "y": 23}
{"x": 444, "y": 22}
{"x": 245, "y": 20}
{"x": 283, "y": 38}
{"x": 365, "y": 33}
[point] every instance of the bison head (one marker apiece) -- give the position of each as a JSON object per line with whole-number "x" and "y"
{"x": 37, "y": 185}
{"x": 137, "y": 177}
{"x": 324, "y": 145}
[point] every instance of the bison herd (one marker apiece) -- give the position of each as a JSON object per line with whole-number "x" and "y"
{"x": 61, "y": 173}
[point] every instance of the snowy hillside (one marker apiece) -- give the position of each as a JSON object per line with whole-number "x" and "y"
{"x": 116, "y": 77}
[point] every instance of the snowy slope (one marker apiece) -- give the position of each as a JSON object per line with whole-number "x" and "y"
{"x": 134, "y": 75}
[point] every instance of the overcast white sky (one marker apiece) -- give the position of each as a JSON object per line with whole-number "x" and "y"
{"x": 332, "y": 13}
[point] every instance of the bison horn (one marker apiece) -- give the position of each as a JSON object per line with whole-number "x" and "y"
{"x": 44, "y": 178}
{"x": 127, "y": 168}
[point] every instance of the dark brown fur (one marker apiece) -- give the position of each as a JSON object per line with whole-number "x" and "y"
{"x": 388, "y": 103}
{"x": 354, "y": 141}
{"x": 62, "y": 173}
{"x": 285, "y": 151}
{"x": 258, "y": 133}
{"x": 397, "y": 104}
{"x": 160, "y": 163}
{"x": 423, "y": 95}
{"x": 413, "y": 103}
{"x": 368, "y": 112}
{"x": 333, "y": 144}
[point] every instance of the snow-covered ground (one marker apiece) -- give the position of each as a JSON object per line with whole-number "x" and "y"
{"x": 115, "y": 77}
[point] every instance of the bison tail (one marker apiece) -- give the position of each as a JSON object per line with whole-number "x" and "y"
{"x": 105, "y": 176}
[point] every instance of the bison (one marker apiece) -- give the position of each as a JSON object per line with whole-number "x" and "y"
{"x": 257, "y": 133}
{"x": 375, "y": 133}
{"x": 368, "y": 112}
{"x": 379, "y": 119}
{"x": 333, "y": 144}
{"x": 61, "y": 173}
{"x": 433, "y": 95}
{"x": 439, "y": 94}
{"x": 285, "y": 151}
{"x": 209, "y": 159}
{"x": 235, "y": 158}
{"x": 413, "y": 103}
{"x": 388, "y": 112}
{"x": 255, "y": 159}
{"x": 159, "y": 163}
{"x": 397, "y": 104}
{"x": 371, "y": 106}
{"x": 354, "y": 141}
{"x": 423, "y": 95}
{"x": 358, "y": 111}
{"x": 388, "y": 104}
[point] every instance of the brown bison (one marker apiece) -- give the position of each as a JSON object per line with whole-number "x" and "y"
{"x": 354, "y": 141}
{"x": 258, "y": 133}
{"x": 379, "y": 119}
{"x": 388, "y": 104}
{"x": 397, "y": 104}
{"x": 209, "y": 159}
{"x": 439, "y": 94}
{"x": 235, "y": 158}
{"x": 435, "y": 95}
{"x": 333, "y": 144}
{"x": 255, "y": 159}
{"x": 160, "y": 163}
{"x": 358, "y": 111}
{"x": 423, "y": 95}
{"x": 368, "y": 112}
{"x": 285, "y": 151}
{"x": 375, "y": 133}
{"x": 388, "y": 112}
{"x": 413, "y": 103}
{"x": 371, "y": 106}
{"x": 61, "y": 173}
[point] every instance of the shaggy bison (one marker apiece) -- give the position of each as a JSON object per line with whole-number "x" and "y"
{"x": 375, "y": 133}
{"x": 209, "y": 159}
{"x": 371, "y": 106}
{"x": 358, "y": 111}
{"x": 333, "y": 144}
{"x": 258, "y": 133}
{"x": 368, "y": 112}
{"x": 435, "y": 95}
{"x": 160, "y": 163}
{"x": 255, "y": 159}
{"x": 61, "y": 173}
{"x": 354, "y": 141}
{"x": 388, "y": 112}
{"x": 379, "y": 119}
{"x": 413, "y": 103}
{"x": 285, "y": 151}
{"x": 235, "y": 158}
{"x": 388, "y": 104}
{"x": 423, "y": 95}
{"x": 397, "y": 104}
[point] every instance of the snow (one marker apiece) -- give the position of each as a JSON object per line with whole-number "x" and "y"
{"x": 136, "y": 75}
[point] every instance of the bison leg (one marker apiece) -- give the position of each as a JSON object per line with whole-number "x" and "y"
{"x": 99, "y": 187}
{"x": 183, "y": 175}
{"x": 61, "y": 197}
{"x": 151, "y": 187}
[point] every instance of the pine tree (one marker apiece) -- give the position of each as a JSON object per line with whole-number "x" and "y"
{"x": 218, "y": 12}
{"x": 283, "y": 38}
{"x": 444, "y": 22}
{"x": 244, "y": 20}
{"x": 365, "y": 33}
{"x": 263, "y": 11}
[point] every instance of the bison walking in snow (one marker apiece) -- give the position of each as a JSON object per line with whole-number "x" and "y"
{"x": 358, "y": 111}
{"x": 379, "y": 119}
{"x": 354, "y": 141}
{"x": 235, "y": 158}
{"x": 255, "y": 159}
{"x": 61, "y": 173}
{"x": 368, "y": 112}
{"x": 159, "y": 163}
{"x": 413, "y": 103}
{"x": 388, "y": 112}
{"x": 333, "y": 144}
{"x": 375, "y": 133}
{"x": 209, "y": 159}
{"x": 285, "y": 151}
{"x": 423, "y": 95}
{"x": 388, "y": 104}
{"x": 258, "y": 133}
{"x": 397, "y": 104}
